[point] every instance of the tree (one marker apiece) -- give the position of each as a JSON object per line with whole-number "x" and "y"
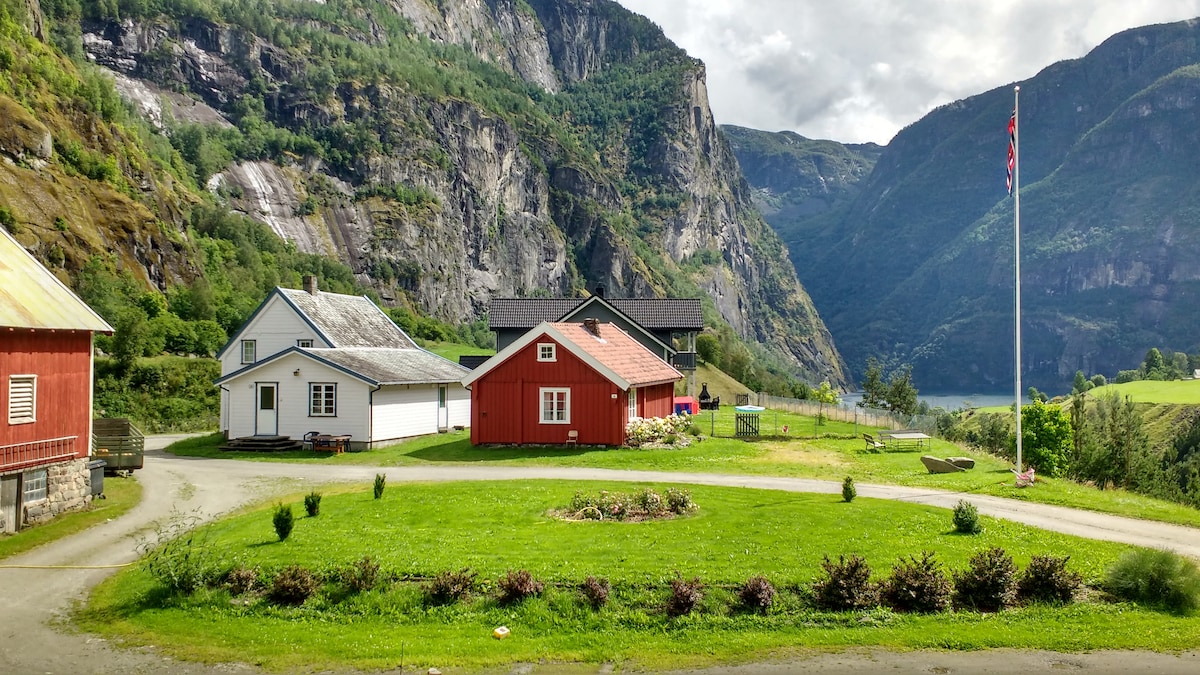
{"x": 875, "y": 391}
{"x": 709, "y": 348}
{"x": 824, "y": 394}
{"x": 1082, "y": 384}
{"x": 1153, "y": 365}
{"x": 1046, "y": 438}
{"x": 994, "y": 435}
{"x": 901, "y": 394}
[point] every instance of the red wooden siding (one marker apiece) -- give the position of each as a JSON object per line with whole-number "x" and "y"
{"x": 61, "y": 360}
{"x": 657, "y": 400}
{"x": 506, "y": 407}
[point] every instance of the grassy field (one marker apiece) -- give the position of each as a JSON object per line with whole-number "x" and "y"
{"x": 493, "y": 527}
{"x": 122, "y": 494}
{"x": 453, "y": 350}
{"x": 835, "y": 454}
{"x": 1179, "y": 392}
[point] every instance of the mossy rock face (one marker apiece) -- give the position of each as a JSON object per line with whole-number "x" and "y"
{"x": 21, "y": 134}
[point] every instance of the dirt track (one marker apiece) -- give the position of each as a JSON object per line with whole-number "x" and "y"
{"x": 33, "y": 599}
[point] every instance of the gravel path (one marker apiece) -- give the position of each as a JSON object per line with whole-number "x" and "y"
{"x": 34, "y": 599}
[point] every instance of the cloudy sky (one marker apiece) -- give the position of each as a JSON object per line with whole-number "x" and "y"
{"x": 860, "y": 70}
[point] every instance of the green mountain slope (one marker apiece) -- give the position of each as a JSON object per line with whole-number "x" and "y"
{"x": 919, "y": 267}
{"x": 446, "y": 152}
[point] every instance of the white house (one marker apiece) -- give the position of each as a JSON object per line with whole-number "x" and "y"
{"x": 309, "y": 360}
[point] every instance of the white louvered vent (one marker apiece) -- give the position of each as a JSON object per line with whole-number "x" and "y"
{"x": 22, "y": 399}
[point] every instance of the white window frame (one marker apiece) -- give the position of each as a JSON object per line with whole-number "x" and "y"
{"x": 23, "y": 383}
{"x": 442, "y": 395}
{"x": 553, "y": 396}
{"x": 35, "y": 486}
{"x": 317, "y": 407}
{"x": 250, "y": 346}
{"x": 547, "y": 352}
{"x": 633, "y": 403}
{"x": 304, "y": 343}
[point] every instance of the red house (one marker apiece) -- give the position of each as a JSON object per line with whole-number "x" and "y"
{"x": 45, "y": 391}
{"x": 568, "y": 383}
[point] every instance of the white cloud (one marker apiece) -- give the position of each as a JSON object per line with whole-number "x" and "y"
{"x": 859, "y": 70}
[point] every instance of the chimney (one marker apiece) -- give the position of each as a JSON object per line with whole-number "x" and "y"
{"x": 599, "y": 291}
{"x": 310, "y": 284}
{"x": 592, "y": 325}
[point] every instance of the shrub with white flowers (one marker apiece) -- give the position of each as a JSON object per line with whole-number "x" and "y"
{"x": 656, "y": 429}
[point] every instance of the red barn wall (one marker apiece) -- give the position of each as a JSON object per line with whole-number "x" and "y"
{"x": 62, "y": 362}
{"x": 506, "y": 407}
{"x": 658, "y": 400}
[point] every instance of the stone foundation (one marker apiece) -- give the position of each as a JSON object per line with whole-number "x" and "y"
{"x": 68, "y": 488}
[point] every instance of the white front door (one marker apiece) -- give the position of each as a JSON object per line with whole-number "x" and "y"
{"x": 266, "y": 422}
{"x": 443, "y": 409}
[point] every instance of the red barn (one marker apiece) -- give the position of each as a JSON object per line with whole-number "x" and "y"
{"x": 45, "y": 391}
{"x": 568, "y": 382}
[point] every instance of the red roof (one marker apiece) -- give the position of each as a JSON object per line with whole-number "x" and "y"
{"x": 609, "y": 351}
{"x": 625, "y": 356}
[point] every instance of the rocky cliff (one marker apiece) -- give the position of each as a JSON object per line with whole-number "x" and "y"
{"x": 456, "y": 151}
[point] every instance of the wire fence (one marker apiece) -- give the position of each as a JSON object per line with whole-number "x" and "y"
{"x": 853, "y": 414}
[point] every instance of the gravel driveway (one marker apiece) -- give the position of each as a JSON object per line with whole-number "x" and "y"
{"x": 33, "y": 599}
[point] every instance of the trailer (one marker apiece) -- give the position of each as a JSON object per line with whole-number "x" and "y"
{"x": 121, "y": 445}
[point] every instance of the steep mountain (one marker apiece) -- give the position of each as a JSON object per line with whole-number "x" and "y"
{"x": 448, "y": 151}
{"x": 919, "y": 268}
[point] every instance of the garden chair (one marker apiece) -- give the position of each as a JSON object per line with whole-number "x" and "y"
{"x": 873, "y": 444}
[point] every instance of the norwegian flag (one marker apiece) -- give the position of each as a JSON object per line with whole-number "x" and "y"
{"x": 1012, "y": 149}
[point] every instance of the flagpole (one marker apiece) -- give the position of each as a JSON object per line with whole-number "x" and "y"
{"x": 1017, "y": 255}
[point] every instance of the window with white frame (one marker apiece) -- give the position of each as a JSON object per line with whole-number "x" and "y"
{"x": 34, "y": 486}
{"x": 322, "y": 398}
{"x": 22, "y": 399}
{"x": 556, "y": 405}
{"x": 248, "y": 351}
{"x": 632, "y": 403}
{"x": 547, "y": 351}
{"x": 304, "y": 343}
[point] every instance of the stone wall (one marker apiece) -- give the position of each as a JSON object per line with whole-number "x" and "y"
{"x": 68, "y": 488}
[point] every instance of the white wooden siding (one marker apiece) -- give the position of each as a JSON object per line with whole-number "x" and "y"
{"x": 294, "y": 421}
{"x": 273, "y": 330}
{"x": 403, "y": 410}
{"x": 458, "y": 398}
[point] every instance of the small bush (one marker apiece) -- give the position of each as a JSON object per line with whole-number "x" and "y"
{"x": 1155, "y": 577}
{"x": 284, "y": 520}
{"x": 845, "y": 585}
{"x": 362, "y": 575}
{"x": 917, "y": 585}
{"x": 757, "y": 594}
{"x": 848, "y": 490}
{"x": 1046, "y": 579}
{"x": 596, "y": 591}
{"x": 650, "y": 502}
{"x": 686, "y": 595}
{"x": 380, "y": 483}
{"x": 517, "y": 585}
{"x": 180, "y": 557}
{"x": 966, "y": 518}
{"x": 680, "y": 501}
{"x": 989, "y": 582}
{"x": 293, "y": 586}
{"x": 312, "y": 504}
{"x": 449, "y": 587}
{"x": 241, "y": 580}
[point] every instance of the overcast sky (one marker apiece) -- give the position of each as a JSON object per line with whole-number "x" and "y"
{"x": 860, "y": 70}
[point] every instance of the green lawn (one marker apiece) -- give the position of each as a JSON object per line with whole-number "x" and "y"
{"x": 421, "y": 529}
{"x": 798, "y": 454}
{"x": 1180, "y": 392}
{"x": 122, "y": 494}
{"x": 453, "y": 350}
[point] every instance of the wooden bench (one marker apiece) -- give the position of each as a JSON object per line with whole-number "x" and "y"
{"x": 873, "y": 445}
{"x": 336, "y": 444}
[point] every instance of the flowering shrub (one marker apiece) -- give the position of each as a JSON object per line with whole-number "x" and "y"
{"x": 645, "y": 505}
{"x": 656, "y": 429}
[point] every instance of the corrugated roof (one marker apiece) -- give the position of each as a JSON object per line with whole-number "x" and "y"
{"x": 32, "y": 297}
{"x": 620, "y": 353}
{"x": 348, "y": 320}
{"x": 393, "y": 366}
{"x": 651, "y": 313}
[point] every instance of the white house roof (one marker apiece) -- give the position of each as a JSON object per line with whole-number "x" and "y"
{"x": 32, "y": 297}
{"x": 347, "y": 320}
{"x": 375, "y": 366}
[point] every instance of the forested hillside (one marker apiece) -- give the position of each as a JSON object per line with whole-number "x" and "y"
{"x": 436, "y": 154}
{"x": 919, "y": 267}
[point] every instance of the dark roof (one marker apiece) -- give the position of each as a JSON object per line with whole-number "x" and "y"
{"x": 472, "y": 361}
{"x": 348, "y": 320}
{"x": 650, "y": 313}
